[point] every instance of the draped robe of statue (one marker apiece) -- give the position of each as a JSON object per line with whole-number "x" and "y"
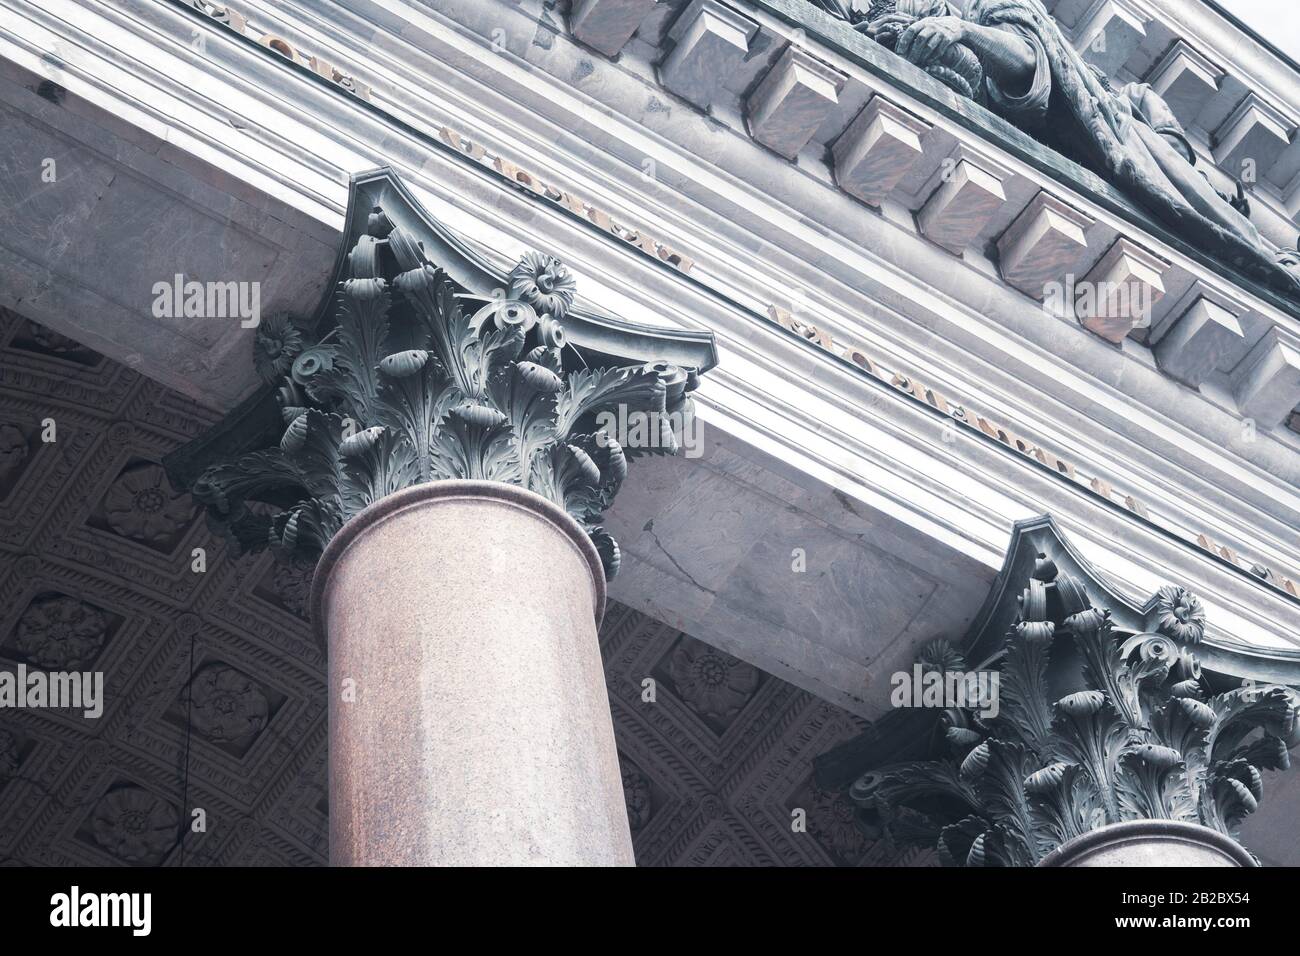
{"x": 1118, "y": 134}
{"x": 1128, "y": 136}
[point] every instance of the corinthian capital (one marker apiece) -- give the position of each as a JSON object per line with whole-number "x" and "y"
{"x": 415, "y": 374}
{"x": 1068, "y": 722}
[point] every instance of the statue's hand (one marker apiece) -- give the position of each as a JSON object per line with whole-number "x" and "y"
{"x": 885, "y": 30}
{"x": 930, "y": 38}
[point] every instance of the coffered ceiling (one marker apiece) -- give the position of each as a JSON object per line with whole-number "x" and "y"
{"x": 105, "y": 567}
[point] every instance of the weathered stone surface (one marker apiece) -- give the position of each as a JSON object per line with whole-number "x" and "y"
{"x": 712, "y": 41}
{"x": 1109, "y": 33}
{"x": 1250, "y": 141}
{"x": 877, "y": 150}
{"x": 1186, "y": 79}
{"x": 1044, "y": 243}
{"x": 1117, "y": 294}
{"x": 969, "y": 194}
{"x": 607, "y": 25}
{"x": 83, "y": 254}
{"x": 1267, "y": 382}
{"x": 1201, "y": 339}
{"x": 791, "y": 101}
{"x": 478, "y": 730}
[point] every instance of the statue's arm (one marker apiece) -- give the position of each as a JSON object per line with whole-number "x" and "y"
{"x": 1007, "y": 56}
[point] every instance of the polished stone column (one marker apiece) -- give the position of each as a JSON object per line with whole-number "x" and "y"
{"x": 442, "y": 441}
{"x": 469, "y": 720}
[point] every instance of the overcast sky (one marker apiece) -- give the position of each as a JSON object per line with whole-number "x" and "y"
{"x": 1275, "y": 20}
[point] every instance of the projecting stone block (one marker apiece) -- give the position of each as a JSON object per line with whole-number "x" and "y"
{"x": 969, "y": 193}
{"x": 1200, "y": 340}
{"x": 791, "y": 101}
{"x": 877, "y": 150}
{"x": 711, "y": 43}
{"x": 607, "y": 25}
{"x": 1117, "y": 294}
{"x": 1267, "y": 382}
{"x": 1186, "y": 80}
{"x": 1251, "y": 139}
{"x": 1044, "y": 243}
{"x": 1109, "y": 32}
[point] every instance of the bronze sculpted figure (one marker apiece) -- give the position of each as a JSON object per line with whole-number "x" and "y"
{"x": 1010, "y": 56}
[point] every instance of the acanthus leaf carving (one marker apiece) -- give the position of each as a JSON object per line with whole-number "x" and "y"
{"x": 1142, "y": 738}
{"x": 419, "y": 379}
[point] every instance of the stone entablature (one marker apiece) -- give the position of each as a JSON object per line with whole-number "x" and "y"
{"x": 963, "y": 197}
{"x": 1051, "y": 238}
{"x": 837, "y": 262}
{"x": 1085, "y": 474}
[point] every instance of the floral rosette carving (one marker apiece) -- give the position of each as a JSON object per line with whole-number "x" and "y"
{"x": 420, "y": 380}
{"x": 832, "y": 819}
{"x": 61, "y": 633}
{"x": 1148, "y": 737}
{"x": 712, "y": 683}
{"x": 277, "y": 344}
{"x": 636, "y": 794}
{"x": 142, "y": 505}
{"x": 225, "y": 705}
{"x": 292, "y": 581}
{"x": 134, "y": 825}
{"x": 545, "y": 283}
{"x": 1179, "y": 614}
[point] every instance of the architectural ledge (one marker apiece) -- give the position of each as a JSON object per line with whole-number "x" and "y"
{"x": 711, "y": 40}
{"x": 1120, "y": 291}
{"x": 1251, "y": 140}
{"x": 1186, "y": 79}
{"x": 1267, "y": 382}
{"x": 1205, "y": 336}
{"x": 1110, "y": 31}
{"x": 877, "y": 150}
{"x": 968, "y": 195}
{"x": 607, "y": 25}
{"x": 1046, "y": 242}
{"x": 792, "y": 101}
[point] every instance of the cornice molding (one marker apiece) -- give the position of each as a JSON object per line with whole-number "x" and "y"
{"x": 274, "y": 57}
{"x": 718, "y": 297}
{"x": 840, "y": 38}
